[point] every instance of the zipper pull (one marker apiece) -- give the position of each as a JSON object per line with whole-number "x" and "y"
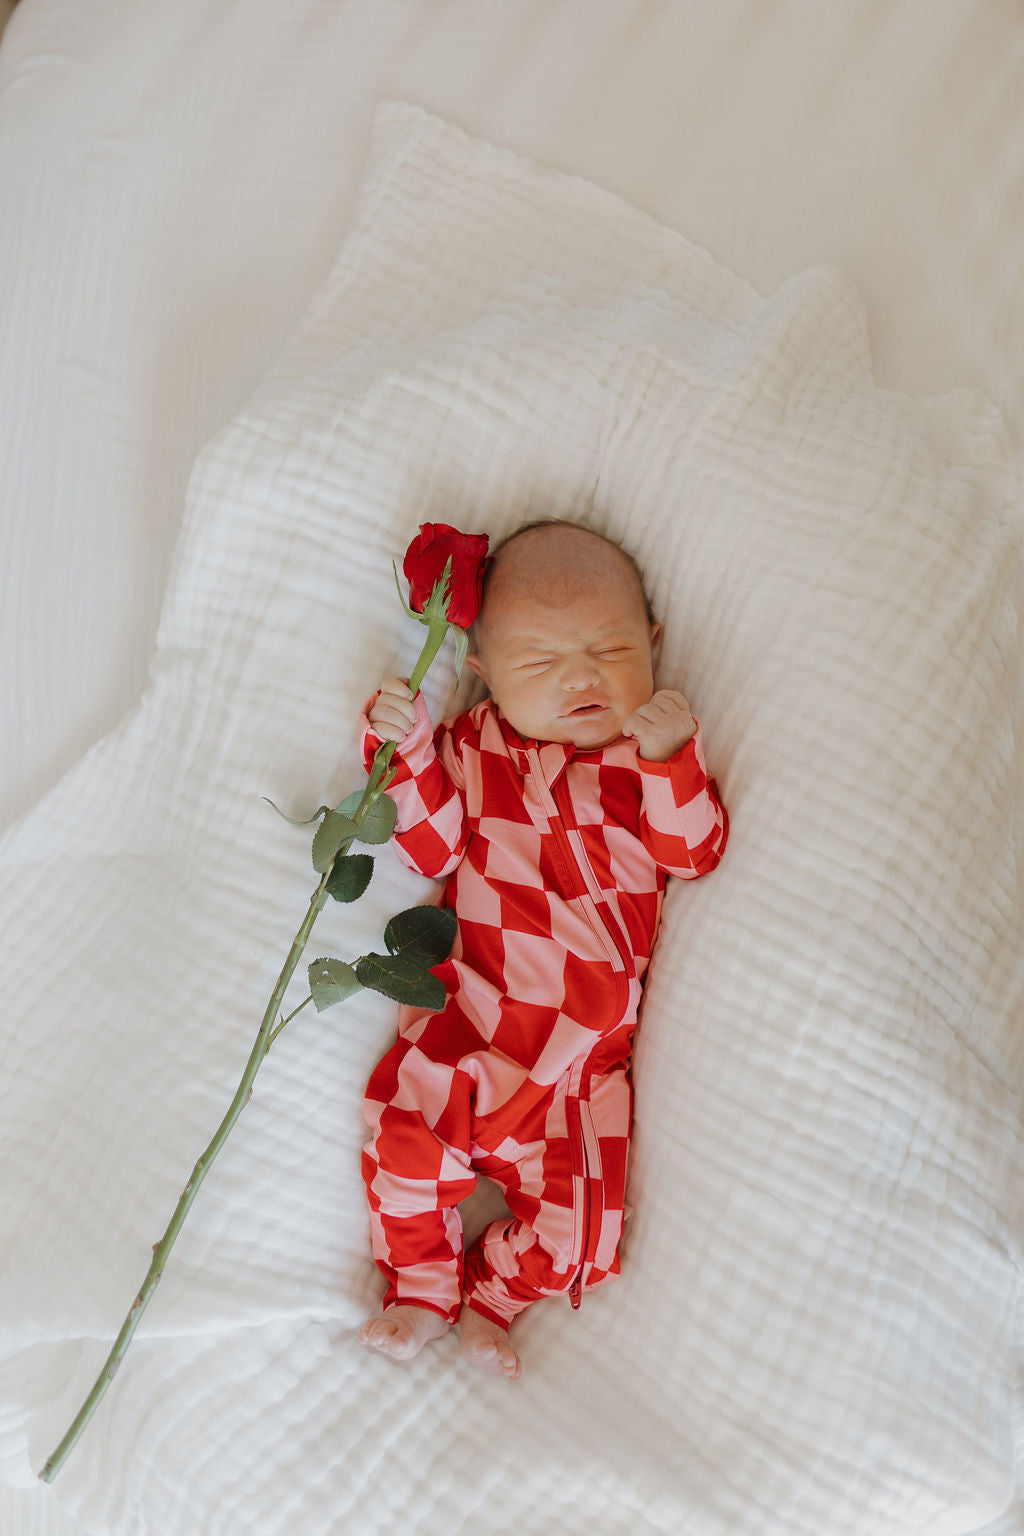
{"x": 575, "y": 1293}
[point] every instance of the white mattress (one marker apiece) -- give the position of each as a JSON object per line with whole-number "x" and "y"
{"x": 173, "y": 197}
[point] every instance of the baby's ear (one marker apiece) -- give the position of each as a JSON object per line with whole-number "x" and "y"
{"x": 474, "y": 664}
{"x": 656, "y": 636}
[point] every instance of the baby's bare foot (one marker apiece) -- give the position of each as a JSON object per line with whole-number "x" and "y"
{"x": 487, "y": 1345}
{"x": 401, "y": 1332}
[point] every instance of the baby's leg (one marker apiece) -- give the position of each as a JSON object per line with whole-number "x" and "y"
{"x": 549, "y": 1246}
{"x": 402, "y": 1331}
{"x": 507, "y": 1270}
{"x": 417, "y": 1169}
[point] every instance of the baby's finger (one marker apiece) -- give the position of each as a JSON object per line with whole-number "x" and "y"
{"x": 644, "y": 714}
{"x": 635, "y": 723}
{"x": 395, "y": 688}
{"x": 389, "y": 729}
{"x": 394, "y": 709}
{"x": 392, "y": 718}
{"x": 671, "y": 701}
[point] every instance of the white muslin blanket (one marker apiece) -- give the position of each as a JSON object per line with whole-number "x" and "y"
{"x": 814, "y": 1330}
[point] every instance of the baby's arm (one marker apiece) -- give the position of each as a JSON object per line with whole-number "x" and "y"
{"x": 683, "y": 823}
{"x": 661, "y": 726}
{"x": 431, "y": 831}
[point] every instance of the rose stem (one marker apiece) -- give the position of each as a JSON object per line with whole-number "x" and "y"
{"x": 162, "y": 1249}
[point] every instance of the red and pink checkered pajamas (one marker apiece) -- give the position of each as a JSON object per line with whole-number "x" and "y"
{"x": 556, "y": 861}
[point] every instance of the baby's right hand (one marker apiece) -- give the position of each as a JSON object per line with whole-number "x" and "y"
{"x": 393, "y": 713}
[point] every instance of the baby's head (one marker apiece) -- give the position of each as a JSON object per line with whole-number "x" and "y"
{"x": 565, "y": 640}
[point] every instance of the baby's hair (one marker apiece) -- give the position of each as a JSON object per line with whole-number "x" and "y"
{"x": 558, "y": 522}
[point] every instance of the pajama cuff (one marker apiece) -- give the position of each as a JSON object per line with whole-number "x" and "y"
{"x": 504, "y": 1323}
{"x": 428, "y": 1306}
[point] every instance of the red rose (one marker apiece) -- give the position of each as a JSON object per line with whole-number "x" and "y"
{"x": 424, "y": 564}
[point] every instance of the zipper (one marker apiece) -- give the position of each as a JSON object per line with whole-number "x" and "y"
{"x": 573, "y": 1102}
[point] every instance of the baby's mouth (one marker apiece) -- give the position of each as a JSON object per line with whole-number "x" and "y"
{"x": 581, "y": 711}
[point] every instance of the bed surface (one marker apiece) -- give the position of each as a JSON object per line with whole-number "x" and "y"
{"x": 175, "y": 193}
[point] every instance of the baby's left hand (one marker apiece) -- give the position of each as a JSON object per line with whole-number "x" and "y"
{"x": 661, "y": 726}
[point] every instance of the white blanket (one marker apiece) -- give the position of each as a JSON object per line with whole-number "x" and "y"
{"x": 814, "y": 1329}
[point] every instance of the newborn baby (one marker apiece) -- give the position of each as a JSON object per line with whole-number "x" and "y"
{"x": 555, "y": 809}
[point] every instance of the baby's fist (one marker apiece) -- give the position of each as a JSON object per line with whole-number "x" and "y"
{"x": 661, "y": 726}
{"x": 393, "y": 714}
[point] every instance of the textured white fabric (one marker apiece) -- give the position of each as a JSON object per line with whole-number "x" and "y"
{"x": 814, "y": 1327}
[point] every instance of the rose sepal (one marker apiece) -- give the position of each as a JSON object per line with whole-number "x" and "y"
{"x": 461, "y": 651}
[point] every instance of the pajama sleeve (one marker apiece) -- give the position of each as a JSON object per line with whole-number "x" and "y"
{"x": 683, "y": 823}
{"x": 430, "y": 832}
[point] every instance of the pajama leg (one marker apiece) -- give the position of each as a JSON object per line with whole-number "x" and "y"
{"x": 416, "y": 1169}
{"x": 567, "y": 1208}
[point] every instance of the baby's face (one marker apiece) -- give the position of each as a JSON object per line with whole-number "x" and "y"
{"x": 572, "y": 670}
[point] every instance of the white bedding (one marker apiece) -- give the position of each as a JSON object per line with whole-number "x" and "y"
{"x": 814, "y": 1329}
{"x": 815, "y": 1325}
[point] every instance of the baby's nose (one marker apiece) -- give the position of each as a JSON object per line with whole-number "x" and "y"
{"x": 578, "y": 672}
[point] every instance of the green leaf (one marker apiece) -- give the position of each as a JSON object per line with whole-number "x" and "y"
{"x": 381, "y": 772}
{"x": 331, "y": 981}
{"x": 401, "y": 980}
{"x": 350, "y": 876}
{"x": 421, "y": 936}
{"x": 334, "y": 830}
{"x": 305, "y": 821}
{"x": 378, "y": 823}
